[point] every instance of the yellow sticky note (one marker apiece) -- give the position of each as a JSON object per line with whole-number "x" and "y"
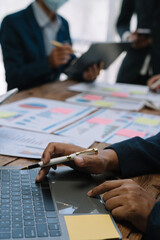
{"x": 137, "y": 92}
{"x": 110, "y": 89}
{"x": 103, "y": 104}
{"x": 147, "y": 121}
{"x": 4, "y": 114}
{"x": 91, "y": 227}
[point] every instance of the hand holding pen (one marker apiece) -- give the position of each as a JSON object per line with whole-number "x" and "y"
{"x": 89, "y": 74}
{"x": 154, "y": 83}
{"x": 60, "y": 55}
{"x": 63, "y": 159}
{"x": 105, "y": 160}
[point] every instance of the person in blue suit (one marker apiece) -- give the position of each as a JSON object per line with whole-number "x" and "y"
{"x": 29, "y": 57}
{"x": 124, "y": 198}
{"x": 143, "y": 58}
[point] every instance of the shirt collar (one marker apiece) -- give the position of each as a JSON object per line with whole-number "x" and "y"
{"x": 40, "y": 16}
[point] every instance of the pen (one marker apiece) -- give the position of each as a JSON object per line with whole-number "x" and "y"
{"x": 58, "y": 44}
{"x": 155, "y": 84}
{"x": 62, "y": 159}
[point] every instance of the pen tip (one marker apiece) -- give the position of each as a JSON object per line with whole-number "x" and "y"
{"x": 25, "y": 168}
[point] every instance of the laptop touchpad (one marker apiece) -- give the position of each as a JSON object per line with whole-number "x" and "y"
{"x": 69, "y": 189}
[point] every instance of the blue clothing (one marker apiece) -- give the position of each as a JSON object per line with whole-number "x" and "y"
{"x": 25, "y": 59}
{"x": 136, "y": 157}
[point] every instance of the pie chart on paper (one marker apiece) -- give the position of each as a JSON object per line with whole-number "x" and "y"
{"x": 33, "y": 106}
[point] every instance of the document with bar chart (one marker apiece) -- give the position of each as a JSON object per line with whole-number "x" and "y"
{"x": 41, "y": 115}
{"x": 120, "y": 90}
{"x": 99, "y": 100}
{"x": 26, "y": 144}
{"x": 112, "y": 126}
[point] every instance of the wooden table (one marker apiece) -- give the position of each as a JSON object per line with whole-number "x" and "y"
{"x": 59, "y": 91}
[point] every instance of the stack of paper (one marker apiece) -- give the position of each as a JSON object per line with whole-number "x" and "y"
{"x": 120, "y": 91}
{"x": 99, "y": 100}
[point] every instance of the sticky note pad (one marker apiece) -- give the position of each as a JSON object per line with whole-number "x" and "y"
{"x": 137, "y": 92}
{"x": 4, "y": 114}
{"x": 119, "y": 94}
{"x": 92, "y": 97}
{"x": 99, "y": 120}
{"x": 147, "y": 121}
{"x": 91, "y": 227}
{"x": 103, "y": 104}
{"x": 61, "y": 110}
{"x": 131, "y": 133}
{"x": 110, "y": 89}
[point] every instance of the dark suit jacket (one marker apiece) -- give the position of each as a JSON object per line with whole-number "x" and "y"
{"x": 136, "y": 157}
{"x": 25, "y": 60}
{"x": 148, "y": 16}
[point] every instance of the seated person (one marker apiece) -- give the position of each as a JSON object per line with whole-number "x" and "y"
{"x": 154, "y": 80}
{"x": 124, "y": 198}
{"x": 29, "y": 57}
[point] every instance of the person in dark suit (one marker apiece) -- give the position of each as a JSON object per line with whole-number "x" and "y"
{"x": 124, "y": 198}
{"x": 143, "y": 58}
{"x": 29, "y": 57}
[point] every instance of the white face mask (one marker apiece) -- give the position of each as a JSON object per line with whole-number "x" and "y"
{"x": 54, "y": 5}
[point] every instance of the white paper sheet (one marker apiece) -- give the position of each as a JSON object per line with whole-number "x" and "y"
{"x": 97, "y": 126}
{"x": 41, "y": 115}
{"x": 20, "y": 143}
{"x": 120, "y": 90}
{"x": 99, "y": 100}
{"x": 113, "y": 126}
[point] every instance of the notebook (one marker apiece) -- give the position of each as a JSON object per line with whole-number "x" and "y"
{"x": 41, "y": 211}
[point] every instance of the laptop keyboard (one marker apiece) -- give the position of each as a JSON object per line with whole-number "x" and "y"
{"x": 26, "y": 208}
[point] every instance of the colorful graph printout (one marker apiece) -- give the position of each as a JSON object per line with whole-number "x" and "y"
{"x": 120, "y": 90}
{"x": 41, "y": 115}
{"x": 106, "y": 101}
{"x": 119, "y": 126}
{"x": 33, "y": 106}
{"x": 99, "y": 125}
{"x": 26, "y": 144}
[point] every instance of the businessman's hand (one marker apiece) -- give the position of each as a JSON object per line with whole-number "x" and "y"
{"x": 127, "y": 201}
{"x": 92, "y": 72}
{"x": 153, "y": 80}
{"x": 106, "y": 160}
{"x": 139, "y": 41}
{"x": 56, "y": 150}
{"x": 60, "y": 56}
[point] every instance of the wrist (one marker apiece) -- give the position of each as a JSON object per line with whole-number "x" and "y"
{"x": 51, "y": 63}
{"x": 111, "y": 161}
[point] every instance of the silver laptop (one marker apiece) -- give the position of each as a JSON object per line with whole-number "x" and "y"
{"x": 36, "y": 211}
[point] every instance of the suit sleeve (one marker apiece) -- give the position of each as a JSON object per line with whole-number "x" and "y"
{"x": 138, "y": 156}
{"x": 156, "y": 38}
{"x": 153, "y": 226}
{"x": 18, "y": 72}
{"x": 123, "y": 22}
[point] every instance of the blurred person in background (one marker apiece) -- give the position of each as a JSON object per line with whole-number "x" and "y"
{"x": 143, "y": 58}
{"x": 26, "y": 37}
